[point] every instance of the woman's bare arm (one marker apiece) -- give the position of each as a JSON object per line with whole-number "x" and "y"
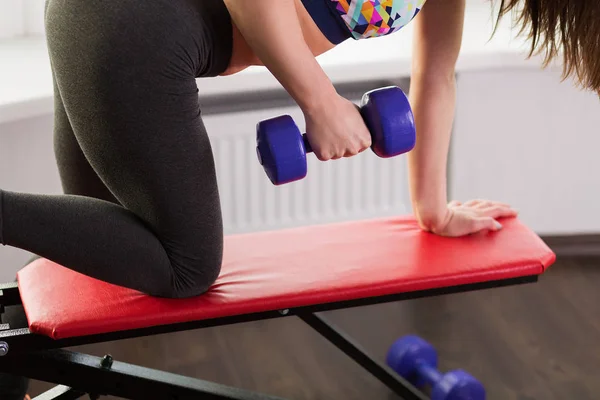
{"x": 273, "y": 31}
{"x": 438, "y": 36}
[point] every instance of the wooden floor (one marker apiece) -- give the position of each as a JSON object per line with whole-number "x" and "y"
{"x": 539, "y": 341}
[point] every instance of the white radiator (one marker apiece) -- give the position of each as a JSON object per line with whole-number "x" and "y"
{"x": 360, "y": 187}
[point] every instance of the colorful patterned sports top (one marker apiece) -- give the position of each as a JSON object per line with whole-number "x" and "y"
{"x": 361, "y": 19}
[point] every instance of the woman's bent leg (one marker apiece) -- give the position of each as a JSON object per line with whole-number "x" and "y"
{"x": 125, "y": 73}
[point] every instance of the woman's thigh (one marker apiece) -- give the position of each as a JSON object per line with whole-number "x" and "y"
{"x": 126, "y": 73}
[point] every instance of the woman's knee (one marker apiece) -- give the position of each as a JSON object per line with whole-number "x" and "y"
{"x": 194, "y": 271}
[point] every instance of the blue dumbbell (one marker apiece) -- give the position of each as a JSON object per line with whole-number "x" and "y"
{"x": 416, "y": 361}
{"x": 281, "y": 147}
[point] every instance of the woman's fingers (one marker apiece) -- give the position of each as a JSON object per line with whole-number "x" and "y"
{"x": 488, "y": 204}
{"x": 473, "y": 203}
{"x": 497, "y": 211}
{"x": 475, "y": 216}
{"x": 481, "y": 203}
{"x": 485, "y": 223}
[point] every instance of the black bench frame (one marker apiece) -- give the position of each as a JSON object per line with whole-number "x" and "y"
{"x": 42, "y": 358}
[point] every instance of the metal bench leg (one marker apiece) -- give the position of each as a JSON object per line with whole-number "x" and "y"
{"x": 345, "y": 343}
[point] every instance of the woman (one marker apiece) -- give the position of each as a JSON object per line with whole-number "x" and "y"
{"x": 141, "y": 204}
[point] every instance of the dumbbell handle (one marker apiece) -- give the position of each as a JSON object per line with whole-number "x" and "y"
{"x": 429, "y": 374}
{"x": 307, "y": 146}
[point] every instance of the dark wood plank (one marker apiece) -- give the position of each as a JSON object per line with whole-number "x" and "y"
{"x": 528, "y": 342}
{"x": 574, "y": 245}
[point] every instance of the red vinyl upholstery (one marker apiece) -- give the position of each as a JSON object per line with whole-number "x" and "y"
{"x": 285, "y": 269}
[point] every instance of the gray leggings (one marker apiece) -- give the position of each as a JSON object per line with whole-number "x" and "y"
{"x": 141, "y": 206}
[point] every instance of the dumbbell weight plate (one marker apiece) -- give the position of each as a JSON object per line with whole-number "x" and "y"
{"x": 388, "y": 115}
{"x": 404, "y": 354}
{"x": 458, "y": 385}
{"x": 280, "y": 149}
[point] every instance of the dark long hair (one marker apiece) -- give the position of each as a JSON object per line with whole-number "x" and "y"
{"x": 569, "y": 29}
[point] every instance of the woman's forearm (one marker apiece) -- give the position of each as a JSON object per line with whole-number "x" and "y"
{"x": 274, "y": 33}
{"x": 437, "y": 42}
{"x": 433, "y": 100}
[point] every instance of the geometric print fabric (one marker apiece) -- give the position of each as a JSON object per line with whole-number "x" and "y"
{"x": 372, "y": 18}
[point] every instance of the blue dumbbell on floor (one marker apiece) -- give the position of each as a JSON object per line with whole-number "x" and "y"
{"x": 281, "y": 147}
{"x": 416, "y": 361}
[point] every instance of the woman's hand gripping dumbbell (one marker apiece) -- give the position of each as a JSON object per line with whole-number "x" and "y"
{"x": 281, "y": 147}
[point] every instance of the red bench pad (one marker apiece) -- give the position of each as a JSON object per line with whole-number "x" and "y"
{"x": 285, "y": 269}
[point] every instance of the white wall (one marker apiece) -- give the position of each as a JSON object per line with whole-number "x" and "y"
{"x": 21, "y": 18}
{"x": 11, "y": 18}
{"x": 524, "y": 137}
{"x": 27, "y": 164}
